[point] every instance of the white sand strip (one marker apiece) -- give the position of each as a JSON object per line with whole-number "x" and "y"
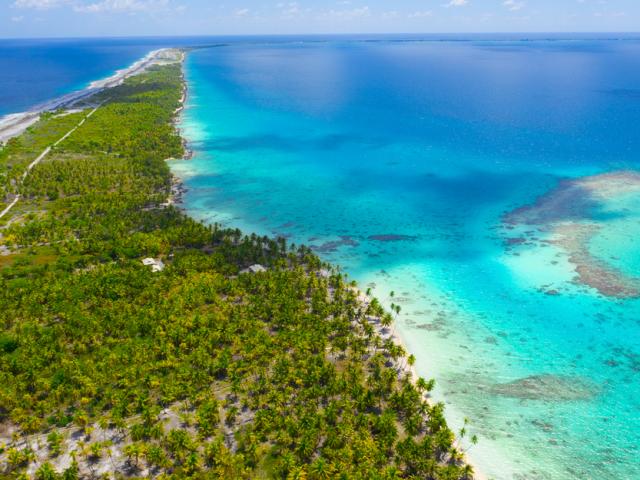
{"x": 14, "y": 124}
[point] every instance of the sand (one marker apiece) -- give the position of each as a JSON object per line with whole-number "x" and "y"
{"x": 14, "y": 124}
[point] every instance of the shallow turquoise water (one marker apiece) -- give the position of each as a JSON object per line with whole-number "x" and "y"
{"x": 398, "y": 160}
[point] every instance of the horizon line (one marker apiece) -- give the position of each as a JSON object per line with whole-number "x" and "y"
{"x": 324, "y": 34}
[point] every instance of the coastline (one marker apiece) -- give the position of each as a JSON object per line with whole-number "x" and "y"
{"x": 406, "y": 331}
{"x": 465, "y": 365}
{"x": 13, "y": 124}
{"x": 394, "y": 334}
{"x": 385, "y": 333}
{"x": 447, "y": 456}
{"x": 177, "y": 116}
{"x": 422, "y": 319}
{"x": 178, "y": 188}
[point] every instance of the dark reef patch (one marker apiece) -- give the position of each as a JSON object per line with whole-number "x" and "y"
{"x": 515, "y": 241}
{"x": 547, "y": 387}
{"x": 392, "y": 238}
{"x": 288, "y": 144}
{"x": 332, "y": 246}
{"x": 573, "y": 213}
{"x": 568, "y": 201}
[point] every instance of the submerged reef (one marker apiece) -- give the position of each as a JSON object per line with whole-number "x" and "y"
{"x": 576, "y": 199}
{"x": 547, "y": 387}
{"x": 334, "y": 245}
{"x": 572, "y": 214}
{"x": 574, "y": 238}
{"x": 392, "y": 238}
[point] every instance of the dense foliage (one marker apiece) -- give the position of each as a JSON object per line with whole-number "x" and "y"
{"x": 277, "y": 374}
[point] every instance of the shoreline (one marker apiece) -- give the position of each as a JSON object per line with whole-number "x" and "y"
{"x": 397, "y": 364}
{"x": 393, "y": 333}
{"x": 178, "y": 189}
{"x": 14, "y": 124}
{"x": 417, "y": 327}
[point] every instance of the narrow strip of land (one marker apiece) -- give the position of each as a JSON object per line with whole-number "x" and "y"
{"x": 201, "y": 370}
{"x": 44, "y": 153}
{"x": 16, "y": 123}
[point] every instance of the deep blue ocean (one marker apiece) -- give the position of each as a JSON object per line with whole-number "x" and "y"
{"x": 398, "y": 159}
{"x": 33, "y": 71}
{"x": 402, "y": 159}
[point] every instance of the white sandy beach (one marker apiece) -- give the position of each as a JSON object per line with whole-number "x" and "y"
{"x": 403, "y": 367}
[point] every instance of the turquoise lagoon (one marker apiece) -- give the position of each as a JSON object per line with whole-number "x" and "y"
{"x": 399, "y": 160}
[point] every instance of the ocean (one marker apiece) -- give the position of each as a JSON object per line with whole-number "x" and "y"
{"x": 33, "y": 71}
{"x": 441, "y": 170}
{"x": 487, "y": 185}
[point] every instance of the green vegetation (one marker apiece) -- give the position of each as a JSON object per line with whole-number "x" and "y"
{"x": 197, "y": 370}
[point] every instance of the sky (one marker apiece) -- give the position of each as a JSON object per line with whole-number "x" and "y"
{"x": 80, "y": 18}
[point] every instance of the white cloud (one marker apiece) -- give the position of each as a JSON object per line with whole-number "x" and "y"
{"x": 513, "y": 5}
{"x": 17, "y": 19}
{"x": 123, "y": 6}
{"x": 391, "y": 14}
{"x": 242, "y": 12}
{"x": 39, "y": 4}
{"x": 353, "y": 13}
{"x": 99, "y": 6}
{"x": 423, "y": 14}
{"x": 290, "y": 9}
{"x": 456, "y": 3}
{"x": 610, "y": 14}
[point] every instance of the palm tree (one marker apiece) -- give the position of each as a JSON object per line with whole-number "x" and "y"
{"x": 46, "y": 472}
{"x": 191, "y": 464}
{"x": 133, "y": 452}
{"x": 71, "y": 473}
{"x": 463, "y": 431}
{"x": 320, "y": 470}
{"x": 421, "y": 384}
{"x": 411, "y": 360}
{"x": 467, "y": 472}
{"x": 386, "y": 320}
{"x": 298, "y": 473}
{"x": 395, "y": 308}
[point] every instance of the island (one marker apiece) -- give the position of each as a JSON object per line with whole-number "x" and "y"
{"x": 138, "y": 342}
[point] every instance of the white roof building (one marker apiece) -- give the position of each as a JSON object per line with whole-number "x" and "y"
{"x": 254, "y": 269}
{"x": 156, "y": 264}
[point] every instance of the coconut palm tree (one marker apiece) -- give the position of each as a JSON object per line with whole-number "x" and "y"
{"x": 321, "y": 470}
{"x": 411, "y": 360}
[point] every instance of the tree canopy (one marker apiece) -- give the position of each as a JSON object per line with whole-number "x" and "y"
{"x": 198, "y": 370}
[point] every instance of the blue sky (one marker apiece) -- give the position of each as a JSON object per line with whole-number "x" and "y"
{"x": 65, "y": 18}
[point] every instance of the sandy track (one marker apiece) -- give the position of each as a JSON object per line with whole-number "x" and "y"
{"x": 44, "y": 153}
